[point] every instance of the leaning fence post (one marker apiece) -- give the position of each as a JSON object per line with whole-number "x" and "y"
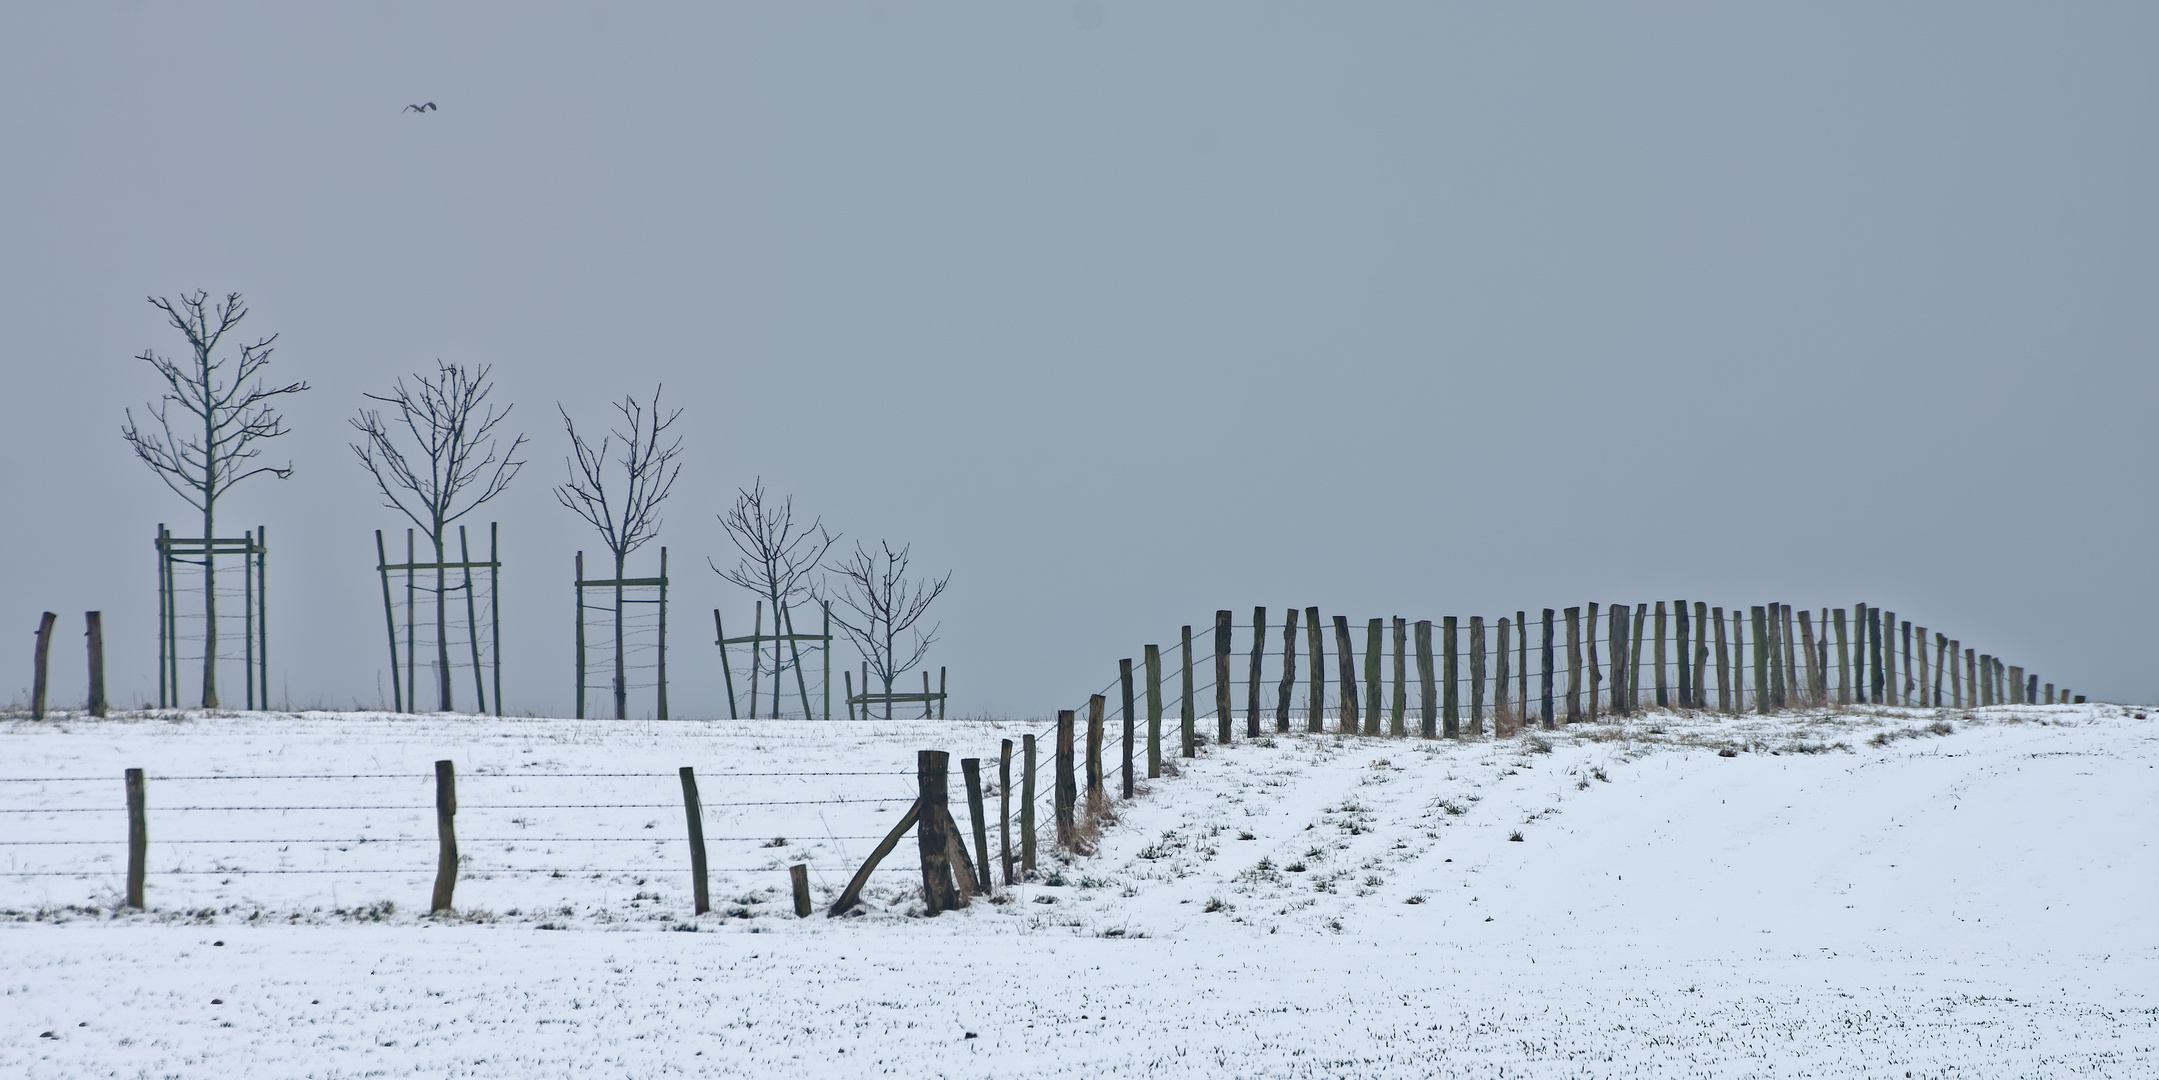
{"x": 971, "y": 770}
{"x": 1544, "y": 680}
{"x": 1222, "y": 718}
{"x": 932, "y": 825}
{"x": 1427, "y": 690}
{"x": 1346, "y": 667}
{"x": 446, "y": 833}
{"x": 1124, "y": 682}
{"x": 1027, "y": 804}
{"x": 1450, "y": 677}
{"x": 694, "y": 810}
{"x": 1153, "y": 659}
{"x": 94, "y": 630}
{"x": 37, "y": 675}
{"x": 1064, "y": 795}
{"x": 1004, "y": 803}
{"x": 138, "y": 837}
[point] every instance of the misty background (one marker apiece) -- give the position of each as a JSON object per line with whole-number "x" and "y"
{"x": 1122, "y": 313}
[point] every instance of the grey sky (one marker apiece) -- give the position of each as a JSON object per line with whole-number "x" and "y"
{"x": 1128, "y": 312}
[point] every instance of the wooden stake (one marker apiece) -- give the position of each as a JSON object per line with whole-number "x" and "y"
{"x": 1942, "y": 657}
{"x": 138, "y": 837}
{"x": 1289, "y": 670}
{"x": 1427, "y": 690}
{"x": 1701, "y": 655}
{"x": 1924, "y": 690}
{"x": 701, "y": 896}
{"x": 1956, "y": 675}
{"x": 798, "y": 876}
{"x": 1004, "y": 798}
{"x": 1374, "y": 649}
{"x": 1500, "y": 679}
{"x": 1027, "y": 803}
{"x": 1844, "y": 662}
{"x": 1663, "y": 695}
{"x": 446, "y": 834}
{"x": 1064, "y": 796}
{"x": 1806, "y": 645}
{"x": 94, "y": 631}
{"x": 933, "y": 821}
{"x": 1762, "y": 701}
{"x": 1397, "y": 721}
{"x": 1259, "y": 645}
{"x": 1316, "y": 703}
{"x": 1223, "y": 719}
{"x": 1544, "y": 681}
{"x": 1683, "y": 657}
{"x": 1634, "y": 645}
{"x": 1097, "y": 705}
{"x": 1186, "y": 711}
{"x": 1591, "y": 669}
{"x": 1724, "y": 669}
{"x": 1620, "y": 704}
{"x": 1521, "y": 673}
{"x": 971, "y": 771}
{"x": 1476, "y": 673}
{"x": 37, "y": 673}
{"x": 1789, "y": 641}
{"x": 1876, "y": 682}
{"x": 1574, "y": 665}
{"x": 1891, "y": 691}
{"x": 1346, "y": 668}
{"x": 1124, "y": 683}
{"x": 1152, "y": 658}
{"x": 1450, "y": 695}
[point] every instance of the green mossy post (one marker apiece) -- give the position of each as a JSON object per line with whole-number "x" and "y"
{"x": 1634, "y": 660}
{"x": 1501, "y": 678}
{"x": 1397, "y": 721}
{"x": 1346, "y": 669}
{"x": 1450, "y": 703}
{"x": 1152, "y": 658}
{"x": 1574, "y": 665}
{"x": 1664, "y": 699}
{"x": 1762, "y": 701}
{"x": 1844, "y": 661}
{"x": 1027, "y": 804}
{"x": 1374, "y": 651}
{"x": 1124, "y": 683}
{"x": 1476, "y": 675}
{"x": 1187, "y": 712}
{"x": 1427, "y": 688}
{"x": 1316, "y": 704}
{"x": 1224, "y": 719}
{"x": 1289, "y": 671}
{"x": 1683, "y": 654}
{"x": 1544, "y": 678}
{"x": 1618, "y": 619}
{"x": 1259, "y": 645}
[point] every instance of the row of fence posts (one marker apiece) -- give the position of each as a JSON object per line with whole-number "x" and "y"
{"x": 94, "y": 635}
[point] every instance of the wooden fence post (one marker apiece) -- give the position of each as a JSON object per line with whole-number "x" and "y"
{"x": 1397, "y": 725}
{"x": 1064, "y": 795}
{"x": 1427, "y": 690}
{"x": 1724, "y": 674}
{"x": 1476, "y": 675}
{"x": 94, "y": 630}
{"x": 1942, "y": 656}
{"x": 1259, "y": 646}
{"x": 1892, "y": 692}
{"x": 1223, "y": 718}
{"x": 1124, "y": 683}
{"x": 1152, "y": 659}
{"x": 1187, "y": 713}
{"x": 1956, "y": 674}
{"x": 1521, "y": 674}
{"x": 1701, "y": 655}
{"x": 1806, "y": 645}
{"x": 798, "y": 876}
{"x": 1574, "y": 665}
{"x": 1844, "y": 661}
{"x": 1786, "y": 639}
{"x": 1920, "y": 671}
{"x": 446, "y": 834}
{"x": 138, "y": 837}
{"x": 2018, "y": 693}
{"x": 1289, "y": 670}
{"x": 37, "y": 674}
{"x": 971, "y": 771}
{"x": 1374, "y": 650}
{"x": 853, "y": 892}
{"x": 1619, "y": 615}
{"x": 1682, "y": 655}
{"x": 1097, "y": 705}
{"x": 1502, "y": 677}
{"x": 1739, "y": 662}
{"x": 1764, "y": 695}
{"x": 701, "y": 896}
{"x": 1664, "y": 699}
{"x": 1004, "y": 805}
{"x": 1345, "y": 658}
{"x": 1875, "y": 680}
{"x": 1774, "y": 643}
{"x": 1450, "y": 698}
{"x": 1904, "y": 639}
{"x": 1027, "y": 804}
{"x": 933, "y": 824}
{"x": 1634, "y": 659}
{"x": 1315, "y": 720}
{"x": 1590, "y": 671}
{"x": 1544, "y": 680}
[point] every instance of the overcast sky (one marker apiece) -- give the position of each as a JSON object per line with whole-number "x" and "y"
{"x": 1123, "y": 312}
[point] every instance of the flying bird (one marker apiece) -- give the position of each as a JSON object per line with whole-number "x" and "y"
{"x": 421, "y": 108}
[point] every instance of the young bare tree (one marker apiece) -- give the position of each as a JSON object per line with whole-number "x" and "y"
{"x": 777, "y": 558}
{"x": 455, "y": 465}
{"x": 627, "y": 516}
{"x": 886, "y": 604}
{"x": 220, "y": 422}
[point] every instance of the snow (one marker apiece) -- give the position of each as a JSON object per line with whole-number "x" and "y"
{"x": 1851, "y": 893}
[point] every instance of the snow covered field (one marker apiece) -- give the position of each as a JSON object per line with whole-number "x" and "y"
{"x": 1848, "y": 895}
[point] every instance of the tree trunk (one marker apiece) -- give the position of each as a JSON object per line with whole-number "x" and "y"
{"x": 622, "y": 686}
{"x": 442, "y": 630}
{"x": 209, "y": 593}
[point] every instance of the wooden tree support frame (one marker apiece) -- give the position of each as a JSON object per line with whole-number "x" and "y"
{"x": 487, "y": 672}
{"x": 758, "y": 639}
{"x": 177, "y": 551}
{"x": 616, "y": 585}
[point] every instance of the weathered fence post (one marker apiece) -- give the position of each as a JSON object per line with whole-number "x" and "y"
{"x": 1875, "y": 680}
{"x": 1681, "y": 654}
{"x": 1374, "y": 650}
{"x": 1904, "y": 640}
{"x": 1289, "y": 671}
{"x": 1259, "y": 646}
{"x": 1544, "y": 680}
{"x": 1574, "y": 665}
{"x": 138, "y": 837}
{"x": 1064, "y": 794}
{"x": 1027, "y": 804}
{"x": 1346, "y": 667}
{"x": 1476, "y": 675}
{"x": 1521, "y": 674}
{"x": 1701, "y": 655}
{"x": 94, "y": 630}
{"x": 1315, "y": 720}
{"x": 1152, "y": 659}
{"x": 1664, "y": 699}
{"x": 2017, "y": 692}
{"x": 1844, "y": 661}
{"x": 1942, "y": 656}
{"x": 1789, "y": 640}
{"x": 1450, "y": 699}
{"x": 1739, "y": 662}
{"x": 1223, "y": 718}
{"x": 1187, "y": 713}
{"x": 1891, "y": 692}
{"x": 1956, "y": 674}
{"x": 1097, "y": 705}
{"x": 1618, "y": 617}
{"x": 1926, "y": 696}
{"x": 1776, "y": 656}
{"x": 446, "y": 834}
{"x": 1397, "y": 725}
{"x": 37, "y": 672}
{"x": 1004, "y": 805}
{"x": 1427, "y": 689}
{"x": 1806, "y": 645}
{"x": 1762, "y": 701}
{"x": 1591, "y": 673}
{"x": 1502, "y": 677}
{"x": 971, "y": 771}
{"x": 933, "y": 824}
{"x": 1124, "y": 683}
{"x": 798, "y": 878}
{"x": 1724, "y": 673}
{"x": 701, "y": 896}
{"x": 1634, "y": 659}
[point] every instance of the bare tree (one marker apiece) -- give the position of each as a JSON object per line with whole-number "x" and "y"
{"x": 453, "y": 468}
{"x": 777, "y": 558}
{"x": 627, "y": 517}
{"x": 223, "y": 419}
{"x": 886, "y": 605}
